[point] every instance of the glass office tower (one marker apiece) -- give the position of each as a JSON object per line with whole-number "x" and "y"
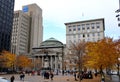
{"x": 6, "y": 21}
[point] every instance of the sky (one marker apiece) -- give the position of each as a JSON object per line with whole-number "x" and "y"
{"x": 57, "y": 12}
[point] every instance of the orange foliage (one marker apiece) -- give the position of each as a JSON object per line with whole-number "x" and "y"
{"x": 8, "y": 59}
{"x": 101, "y": 53}
{"x": 23, "y": 61}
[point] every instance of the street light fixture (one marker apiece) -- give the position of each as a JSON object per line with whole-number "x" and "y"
{"x": 117, "y": 11}
{"x": 118, "y": 65}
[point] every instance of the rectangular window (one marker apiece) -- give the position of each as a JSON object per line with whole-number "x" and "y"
{"x": 78, "y": 26}
{"x": 87, "y": 35}
{"x": 88, "y": 26}
{"x": 83, "y": 35}
{"x": 83, "y": 27}
{"x": 74, "y": 28}
{"x": 98, "y": 25}
{"x": 98, "y": 34}
{"x": 93, "y": 25}
{"x": 93, "y": 34}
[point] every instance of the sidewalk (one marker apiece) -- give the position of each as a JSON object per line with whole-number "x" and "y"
{"x": 71, "y": 79}
{"x": 57, "y": 78}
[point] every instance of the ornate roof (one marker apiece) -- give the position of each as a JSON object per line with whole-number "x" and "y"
{"x": 51, "y": 42}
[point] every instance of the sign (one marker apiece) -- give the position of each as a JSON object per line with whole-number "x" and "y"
{"x": 25, "y": 9}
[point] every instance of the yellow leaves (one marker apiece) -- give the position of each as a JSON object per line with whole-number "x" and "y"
{"x": 8, "y": 59}
{"x": 102, "y": 53}
{"x": 23, "y": 61}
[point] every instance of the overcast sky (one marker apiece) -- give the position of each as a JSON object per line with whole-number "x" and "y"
{"x": 58, "y": 12}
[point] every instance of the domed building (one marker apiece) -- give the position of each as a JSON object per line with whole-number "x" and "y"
{"x": 49, "y": 55}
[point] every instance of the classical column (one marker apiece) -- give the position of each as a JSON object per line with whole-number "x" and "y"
{"x": 42, "y": 61}
{"x": 56, "y": 62}
{"x": 51, "y": 64}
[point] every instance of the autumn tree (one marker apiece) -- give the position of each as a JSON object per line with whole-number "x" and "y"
{"x": 102, "y": 54}
{"x": 78, "y": 50}
{"x": 23, "y": 62}
{"x": 7, "y": 59}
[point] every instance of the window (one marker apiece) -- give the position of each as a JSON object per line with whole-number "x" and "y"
{"x": 83, "y": 35}
{"x": 93, "y": 34}
{"x": 83, "y": 27}
{"x": 88, "y": 26}
{"x": 93, "y": 25}
{"x": 79, "y": 36}
{"x": 87, "y": 35}
{"x": 98, "y": 25}
{"x": 74, "y": 28}
{"x": 69, "y": 28}
{"x": 98, "y": 34}
{"x": 78, "y": 26}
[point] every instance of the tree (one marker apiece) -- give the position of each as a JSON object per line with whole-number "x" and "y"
{"x": 23, "y": 62}
{"x": 102, "y": 54}
{"x": 78, "y": 50}
{"x": 8, "y": 59}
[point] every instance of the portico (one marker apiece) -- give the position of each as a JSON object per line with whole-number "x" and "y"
{"x": 49, "y": 55}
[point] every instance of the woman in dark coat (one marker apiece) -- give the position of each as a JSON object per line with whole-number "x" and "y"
{"x": 12, "y": 79}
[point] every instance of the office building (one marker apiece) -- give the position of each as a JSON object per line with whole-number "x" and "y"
{"x": 20, "y": 33}
{"x": 36, "y": 25}
{"x": 88, "y": 30}
{"x": 27, "y": 29}
{"x": 6, "y": 20}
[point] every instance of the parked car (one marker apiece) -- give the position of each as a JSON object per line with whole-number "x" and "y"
{"x": 2, "y": 79}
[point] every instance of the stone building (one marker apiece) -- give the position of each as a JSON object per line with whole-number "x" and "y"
{"x": 49, "y": 55}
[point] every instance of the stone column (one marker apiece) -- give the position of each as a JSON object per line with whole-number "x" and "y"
{"x": 51, "y": 64}
{"x": 42, "y": 61}
{"x": 56, "y": 62}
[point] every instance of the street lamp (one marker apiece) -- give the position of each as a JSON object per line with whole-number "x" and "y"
{"x": 118, "y": 65}
{"x": 118, "y": 15}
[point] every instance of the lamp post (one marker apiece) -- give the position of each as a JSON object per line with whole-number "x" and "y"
{"x": 118, "y": 66}
{"x": 118, "y": 15}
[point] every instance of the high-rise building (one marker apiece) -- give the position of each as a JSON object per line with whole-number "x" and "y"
{"x": 88, "y": 30}
{"x": 27, "y": 30}
{"x": 36, "y": 25}
{"x": 20, "y": 33}
{"x": 6, "y": 21}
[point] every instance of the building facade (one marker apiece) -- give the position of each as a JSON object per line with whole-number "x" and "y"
{"x": 20, "y": 33}
{"x": 49, "y": 55}
{"x": 6, "y": 21}
{"x": 27, "y": 29}
{"x": 88, "y": 30}
{"x": 36, "y": 25}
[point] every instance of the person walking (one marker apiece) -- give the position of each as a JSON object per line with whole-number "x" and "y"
{"x": 75, "y": 76}
{"x": 12, "y": 79}
{"x": 51, "y": 75}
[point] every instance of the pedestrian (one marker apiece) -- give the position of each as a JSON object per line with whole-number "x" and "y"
{"x": 51, "y": 75}
{"x": 95, "y": 74}
{"x": 102, "y": 77}
{"x": 22, "y": 76}
{"x": 12, "y": 79}
{"x": 75, "y": 76}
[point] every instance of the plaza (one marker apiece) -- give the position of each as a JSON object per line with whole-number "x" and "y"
{"x": 57, "y": 78}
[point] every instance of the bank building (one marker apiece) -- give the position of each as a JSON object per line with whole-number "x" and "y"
{"x": 49, "y": 56}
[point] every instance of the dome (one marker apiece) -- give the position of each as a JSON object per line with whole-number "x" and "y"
{"x": 51, "y": 42}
